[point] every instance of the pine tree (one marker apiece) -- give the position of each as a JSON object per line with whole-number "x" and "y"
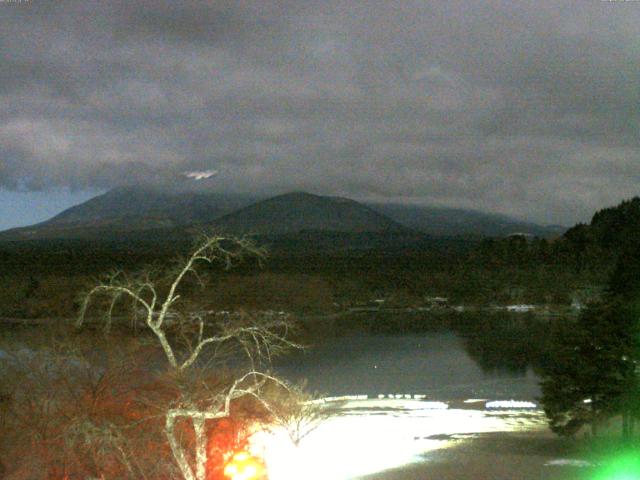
{"x": 593, "y": 376}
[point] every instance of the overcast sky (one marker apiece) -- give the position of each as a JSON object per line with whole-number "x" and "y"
{"x": 529, "y": 108}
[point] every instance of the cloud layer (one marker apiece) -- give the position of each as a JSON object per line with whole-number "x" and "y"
{"x": 528, "y": 108}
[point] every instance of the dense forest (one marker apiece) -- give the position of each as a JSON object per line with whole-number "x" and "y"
{"x": 317, "y": 272}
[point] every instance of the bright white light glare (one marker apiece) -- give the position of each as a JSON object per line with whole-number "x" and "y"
{"x": 370, "y": 436}
{"x": 408, "y": 396}
{"x": 520, "y": 308}
{"x": 510, "y": 404}
{"x": 399, "y": 402}
{"x": 343, "y": 398}
{"x": 201, "y": 175}
{"x": 562, "y": 462}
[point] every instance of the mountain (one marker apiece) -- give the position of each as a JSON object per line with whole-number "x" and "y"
{"x": 159, "y": 213}
{"x": 133, "y": 209}
{"x": 143, "y": 212}
{"x": 156, "y": 207}
{"x": 300, "y": 212}
{"x": 441, "y": 221}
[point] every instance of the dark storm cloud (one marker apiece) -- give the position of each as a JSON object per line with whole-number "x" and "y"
{"x": 529, "y": 108}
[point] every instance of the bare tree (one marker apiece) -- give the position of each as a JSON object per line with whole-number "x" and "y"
{"x": 299, "y": 413}
{"x": 267, "y": 332}
{"x": 187, "y": 338}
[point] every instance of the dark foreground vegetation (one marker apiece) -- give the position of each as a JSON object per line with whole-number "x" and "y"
{"x": 41, "y": 280}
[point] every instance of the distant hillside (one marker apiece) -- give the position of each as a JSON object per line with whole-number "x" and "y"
{"x": 133, "y": 209}
{"x": 153, "y": 206}
{"x": 298, "y": 212}
{"x": 156, "y": 213}
{"x": 611, "y": 229}
{"x": 618, "y": 226}
{"x": 440, "y": 221}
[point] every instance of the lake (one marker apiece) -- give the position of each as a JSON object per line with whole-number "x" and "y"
{"x": 436, "y": 404}
{"x": 422, "y": 404}
{"x": 435, "y": 364}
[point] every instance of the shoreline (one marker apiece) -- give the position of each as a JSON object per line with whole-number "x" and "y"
{"x": 495, "y": 456}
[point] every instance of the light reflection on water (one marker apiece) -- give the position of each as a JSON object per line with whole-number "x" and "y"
{"x": 376, "y": 435}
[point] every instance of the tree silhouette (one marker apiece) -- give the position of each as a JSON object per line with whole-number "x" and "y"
{"x": 594, "y": 372}
{"x": 189, "y": 338}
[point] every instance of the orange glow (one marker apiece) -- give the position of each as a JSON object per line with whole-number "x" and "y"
{"x": 244, "y": 466}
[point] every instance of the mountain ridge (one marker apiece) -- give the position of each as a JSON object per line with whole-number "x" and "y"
{"x": 176, "y": 207}
{"x": 127, "y": 210}
{"x": 301, "y": 211}
{"x": 450, "y": 221}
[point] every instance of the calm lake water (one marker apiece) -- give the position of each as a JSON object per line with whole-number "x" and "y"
{"x": 409, "y": 438}
{"x": 486, "y": 359}
{"x": 435, "y": 364}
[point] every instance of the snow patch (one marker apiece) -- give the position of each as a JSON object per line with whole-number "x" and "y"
{"x": 520, "y": 308}
{"x": 201, "y": 175}
{"x": 509, "y": 404}
{"x": 344, "y": 398}
{"x": 568, "y": 462}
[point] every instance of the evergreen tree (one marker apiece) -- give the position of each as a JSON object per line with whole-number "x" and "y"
{"x": 596, "y": 359}
{"x": 593, "y": 373}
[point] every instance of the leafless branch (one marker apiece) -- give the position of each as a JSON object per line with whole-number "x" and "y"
{"x": 259, "y": 335}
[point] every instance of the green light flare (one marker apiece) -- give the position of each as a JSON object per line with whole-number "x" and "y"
{"x": 624, "y": 466}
